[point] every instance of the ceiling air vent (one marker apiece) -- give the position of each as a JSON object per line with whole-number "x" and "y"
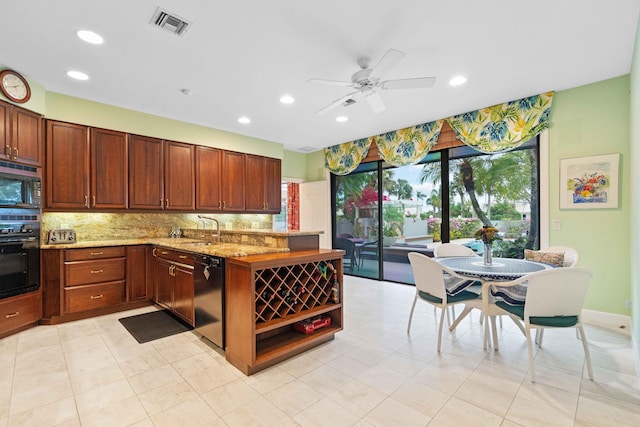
{"x": 169, "y": 22}
{"x": 307, "y": 149}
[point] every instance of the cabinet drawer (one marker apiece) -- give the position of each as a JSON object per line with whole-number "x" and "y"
{"x": 93, "y": 253}
{"x": 176, "y": 256}
{"x": 19, "y": 311}
{"x": 86, "y": 272}
{"x": 82, "y": 298}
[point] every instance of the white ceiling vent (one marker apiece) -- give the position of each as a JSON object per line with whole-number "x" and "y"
{"x": 307, "y": 149}
{"x": 169, "y": 22}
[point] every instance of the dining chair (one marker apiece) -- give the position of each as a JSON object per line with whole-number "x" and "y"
{"x": 554, "y": 300}
{"x": 570, "y": 255}
{"x": 367, "y": 250}
{"x": 452, "y": 250}
{"x": 430, "y": 287}
{"x": 349, "y": 248}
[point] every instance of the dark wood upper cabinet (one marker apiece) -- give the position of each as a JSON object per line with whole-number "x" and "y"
{"x": 20, "y": 135}
{"x": 208, "y": 179}
{"x": 145, "y": 173}
{"x": 179, "y": 176}
{"x": 109, "y": 175}
{"x": 67, "y": 186}
{"x": 233, "y": 181}
{"x": 263, "y": 194}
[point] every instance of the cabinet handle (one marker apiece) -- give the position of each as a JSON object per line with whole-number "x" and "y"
{"x": 97, "y": 296}
{"x": 9, "y": 316}
{"x": 86, "y": 201}
{"x": 96, "y": 253}
{"x": 15, "y": 151}
{"x": 224, "y": 204}
{"x": 182, "y": 256}
{"x": 171, "y": 270}
{"x": 163, "y": 252}
{"x": 219, "y": 204}
{"x": 7, "y": 151}
{"x": 94, "y": 201}
{"x": 97, "y": 271}
{"x": 166, "y": 203}
{"x": 153, "y": 252}
{"x": 161, "y": 203}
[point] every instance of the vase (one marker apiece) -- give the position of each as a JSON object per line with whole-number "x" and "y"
{"x": 487, "y": 254}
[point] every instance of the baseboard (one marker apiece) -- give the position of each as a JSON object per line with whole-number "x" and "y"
{"x": 636, "y": 357}
{"x": 618, "y": 322}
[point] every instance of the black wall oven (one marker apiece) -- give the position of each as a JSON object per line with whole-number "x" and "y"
{"x": 19, "y": 256}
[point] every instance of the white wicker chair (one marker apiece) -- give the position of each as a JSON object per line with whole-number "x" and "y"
{"x": 554, "y": 300}
{"x": 430, "y": 287}
{"x": 453, "y": 249}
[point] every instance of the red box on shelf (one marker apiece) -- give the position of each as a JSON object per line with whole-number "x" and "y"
{"x": 308, "y": 326}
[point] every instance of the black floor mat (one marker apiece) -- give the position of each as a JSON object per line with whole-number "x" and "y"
{"x": 152, "y": 326}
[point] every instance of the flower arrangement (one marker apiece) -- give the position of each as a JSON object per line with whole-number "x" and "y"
{"x": 589, "y": 188}
{"x": 487, "y": 234}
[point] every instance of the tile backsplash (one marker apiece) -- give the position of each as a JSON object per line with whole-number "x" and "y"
{"x": 105, "y": 226}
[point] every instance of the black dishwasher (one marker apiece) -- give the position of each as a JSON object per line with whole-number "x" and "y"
{"x": 208, "y": 276}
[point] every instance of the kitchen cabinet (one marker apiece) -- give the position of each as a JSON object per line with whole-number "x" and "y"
{"x": 263, "y": 194}
{"x": 179, "y": 176}
{"x": 85, "y": 168}
{"x": 145, "y": 173}
{"x": 174, "y": 282}
{"x": 220, "y": 180}
{"x": 20, "y": 312}
{"x": 271, "y": 294}
{"x": 87, "y": 282}
{"x": 161, "y": 174}
{"x": 138, "y": 273}
{"x": 21, "y": 135}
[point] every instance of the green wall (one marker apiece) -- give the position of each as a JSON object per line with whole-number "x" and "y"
{"x": 585, "y": 121}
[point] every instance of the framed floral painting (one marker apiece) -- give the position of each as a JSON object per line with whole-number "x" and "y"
{"x": 589, "y": 182}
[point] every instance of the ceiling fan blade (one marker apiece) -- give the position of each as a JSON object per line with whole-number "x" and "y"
{"x": 386, "y": 63}
{"x": 375, "y": 102}
{"x": 416, "y": 83}
{"x": 337, "y": 103}
{"x": 330, "y": 82}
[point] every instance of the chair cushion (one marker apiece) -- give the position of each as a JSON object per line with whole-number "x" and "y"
{"x": 461, "y": 296}
{"x": 552, "y": 321}
{"x": 512, "y": 295}
{"x": 551, "y": 258}
{"x": 455, "y": 285}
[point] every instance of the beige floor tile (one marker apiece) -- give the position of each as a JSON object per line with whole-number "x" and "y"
{"x": 167, "y": 396}
{"x": 325, "y": 379}
{"x": 122, "y": 413}
{"x": 326, "y": 412}
{"x": 294, "y": 397}
{"x": 230, "y": 397}
{"x": 357, "y": 397}
{"x": 91, "y": 380}
{"x": 457, "y": 413}
{"x": 394, "y": 413}
{"x": 153, "y": 378}
{"x": 192, "y": 413}
{"x": 604, "y": 411}
{"x": 57, "y": 413}
{"x": 492, "y": 393}
{"x": 195, "y": 363}
{"x": 417, "y": 394}
{"x": 213, "y": 377}
{"x": 40, "y": 396}
{"x": 259, "y": 412}
{"x": 102, "y": 396}
{"x": 268, "y": 380}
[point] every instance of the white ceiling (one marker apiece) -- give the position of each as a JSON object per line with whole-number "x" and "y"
{"x": 239, "y": 57}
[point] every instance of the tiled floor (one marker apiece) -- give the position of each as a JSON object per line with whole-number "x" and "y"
{"x": 93, "y": 373}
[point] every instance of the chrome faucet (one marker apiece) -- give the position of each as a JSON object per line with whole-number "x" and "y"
{"x": 217, "y": 235}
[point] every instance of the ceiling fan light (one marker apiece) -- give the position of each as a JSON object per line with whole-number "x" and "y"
{"x": 342, "y": 119}
{"x": 287, "y": 99}
{"x": 78, "y": 75}
{"x": 458, "y": 80}
{"x": 90, "y": 37}
{"x": 244, "y": 120}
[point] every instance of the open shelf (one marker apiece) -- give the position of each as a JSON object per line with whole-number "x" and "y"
{"x": 277, "y": 345}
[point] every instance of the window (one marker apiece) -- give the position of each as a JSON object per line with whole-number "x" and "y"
{"x": 391, "y": 211}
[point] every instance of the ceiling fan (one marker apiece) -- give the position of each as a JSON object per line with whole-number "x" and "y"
{"x": 368, "y": 81}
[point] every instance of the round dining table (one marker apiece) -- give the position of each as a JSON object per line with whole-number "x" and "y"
{"x": 500, "y": 270}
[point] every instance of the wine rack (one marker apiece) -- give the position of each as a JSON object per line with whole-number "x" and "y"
{"x": 289, "y": 290}
{"x": 267, "y": 294}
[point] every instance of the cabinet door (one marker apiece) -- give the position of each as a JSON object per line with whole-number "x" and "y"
{"x": 179, "y": 176}
{"x": 67, "y": 174}
{"x": 208, "y": 179}
{"x": 145, "y": 173}
{"x": 137, "y": 283}
{"x": 108, "y": 169}
{"x": 5, "y": 126}
{"x": 26, "y": 137}
{"x": 254, "y": 177}
{"x": 183, "y": 293}
{"x": 273, "y": 185}
{"x": 233, "y": 181}
{"x": 164, "y": 283}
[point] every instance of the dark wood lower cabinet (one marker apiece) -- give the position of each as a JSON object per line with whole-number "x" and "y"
{"x": 20, "y": 312}
{"x": 174, "y": 283}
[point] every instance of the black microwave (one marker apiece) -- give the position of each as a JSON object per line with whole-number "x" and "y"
{"x": 20, "y": 191}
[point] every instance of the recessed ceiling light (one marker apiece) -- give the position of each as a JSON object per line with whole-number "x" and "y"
{"x": 244, "y": 120}
{"x": 342, "y": 118}
{"x": 90, "y": 36}
{"x": 287, "y": 99}
{"x": 78, "y": 75}
{"x": 457, "y": 80}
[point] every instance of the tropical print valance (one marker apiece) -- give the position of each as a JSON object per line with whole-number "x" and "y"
{"x": 505, "y": 126}
{"x": 344, "y": 158}
{"x": 409, "y": 145}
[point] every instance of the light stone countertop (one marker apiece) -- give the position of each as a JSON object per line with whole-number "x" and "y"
{"x": 225, "y": 250}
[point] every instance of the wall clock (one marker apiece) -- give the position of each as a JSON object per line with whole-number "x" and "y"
{"x": 14, "y": 86}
